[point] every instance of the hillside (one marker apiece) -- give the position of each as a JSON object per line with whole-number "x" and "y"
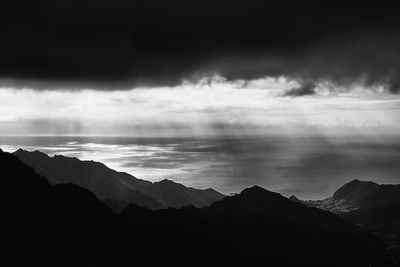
{"x": 109, "y": 184}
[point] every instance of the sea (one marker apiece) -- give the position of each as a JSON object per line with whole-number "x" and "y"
{"x": 307, "y": 167}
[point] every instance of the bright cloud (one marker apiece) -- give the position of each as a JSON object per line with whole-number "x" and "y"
{"x": 203, "y": 108}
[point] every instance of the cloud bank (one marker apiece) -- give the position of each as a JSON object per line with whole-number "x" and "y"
{"x": 122, "y": 44}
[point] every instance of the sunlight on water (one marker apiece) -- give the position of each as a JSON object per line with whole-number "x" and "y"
{"x": 307, "y": 167}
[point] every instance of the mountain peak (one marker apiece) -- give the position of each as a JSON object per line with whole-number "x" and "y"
{"x": 21, "y": 151}
{"x": 356, "y": 185}
{"x": 258, "y": 192}
{"x": 358, "y": 193}
{"x": 166, "y": 180}
{"x": 294, "y": 198}
{"x": 356, "y": 181}
{"x": 254, "y": 188}
{"x": 212, "y": 190}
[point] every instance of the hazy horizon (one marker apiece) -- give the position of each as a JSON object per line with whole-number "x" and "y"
{"x": 308, "y": 167}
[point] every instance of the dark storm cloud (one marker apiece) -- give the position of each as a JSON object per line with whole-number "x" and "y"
{"x": 123, "y": 43}
{"x": 306, "y": 88}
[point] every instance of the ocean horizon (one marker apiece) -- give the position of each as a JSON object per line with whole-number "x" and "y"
{"x": 308, "y": 167}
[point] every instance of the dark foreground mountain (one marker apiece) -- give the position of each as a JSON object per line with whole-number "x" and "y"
{"x": 370, "y": 205}
{"x": 385, "y": 217}
{"x": 383, "y": 221}
{"x": 117, "y": 188}
{"x": 374, "y": 207}
{"x": 65, "y": 225}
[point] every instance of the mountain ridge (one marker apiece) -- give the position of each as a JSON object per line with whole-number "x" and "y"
{"x": 358, "y": 194}
{"x": 107, "y": 183}
{"x": 372, "y": 206}
{"x": 367, "y": 194}
{"x": 254, "y": 227}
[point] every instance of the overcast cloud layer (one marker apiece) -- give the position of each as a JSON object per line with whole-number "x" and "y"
{"x": 122, "y": 43}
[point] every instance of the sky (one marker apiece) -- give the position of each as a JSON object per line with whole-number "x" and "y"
{"x": 219, "y": 69}
{"x": 211, "y": 107}
{"x": 111, "y": 44}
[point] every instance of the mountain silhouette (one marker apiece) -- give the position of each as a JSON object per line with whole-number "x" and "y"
{"x": 265, "y": 227}
{"x": 294, "y": 198}
{"x": 374, "y": 207}
{"x": 45, "y": 225}
{"x": 66, "y": 225}
{"x": 176, "y": 195}
{"x": 367, "y": 194}
{"x": 358, "y": 194}
{"x": 108, "y": 184}
{"x": 383, "y": 218}
{"x": 379, "y": 212}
